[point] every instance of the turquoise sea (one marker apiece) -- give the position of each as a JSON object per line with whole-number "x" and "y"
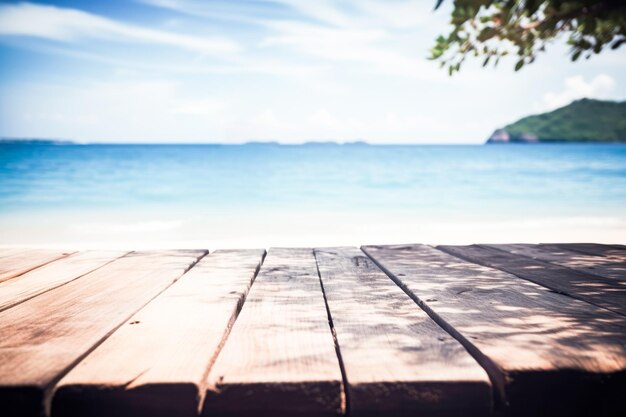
{"x": 269, "y": 194}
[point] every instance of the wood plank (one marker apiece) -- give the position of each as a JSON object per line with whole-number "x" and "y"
{"x": 16, "y": 263}
{"x": 532, "y": 341}
{"x": 47, "y": 335}
{"x": 156, "y": 363}
{"x": 608, "y": 266}
{"x": 599, "y": 291}
{"x": 596, "y": 249}
{"x": 280, "y": 358}
{"x": 52, "y": 275}
{"x": 397, "y": 360}
{"x": 615, "y": 253}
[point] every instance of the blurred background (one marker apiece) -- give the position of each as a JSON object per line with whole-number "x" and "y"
{"x": 184, "y": 123}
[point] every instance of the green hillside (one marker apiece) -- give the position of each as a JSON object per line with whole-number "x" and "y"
{"x": 583, "y": 120}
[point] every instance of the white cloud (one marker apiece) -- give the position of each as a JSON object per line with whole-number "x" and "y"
{"x": 239, "y": 64}
{"x": 113, "y": 110}
{"x": 71, "y": 25}
{"x": 349, "y": 32}
{"x": 292, "y": 34}
{"x": 322, "y": 10}
{"x": 198, "y": 107}
{"x": 397, "y": 14}
{"x": 374, "y": 48}
{"x": 402, "y": 14}
{"x": 324, "y": 120}
{"x": 322, "y": 124}
{"x": 347, "y": 13}
{"x": 252, "y": 12}
{"x": 600, "y": 87}
{"x": 267, "y": 118}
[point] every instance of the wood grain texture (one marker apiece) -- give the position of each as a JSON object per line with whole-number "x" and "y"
{"x": 548, "y": 354}
{"x": 595, "y": 249}
{"x": 600, "y": 291}
{"x": 46, "y": 336}
{"x": 612, "y": 264}
{"x": 52, "y": 275}
{"x": 280, "y": 358}
{"x": 156, "y": 363}
{"x": 397, "y": 360}
{"x": 15, "y": 262}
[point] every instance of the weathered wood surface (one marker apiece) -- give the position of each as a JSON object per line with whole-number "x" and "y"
{"x": 156, "y": 363}
{"x": 47, "y": 335}
{"x": 611, "y": 264}
{"x": 322, "y": 332}
{"x": 397, "y": 360}
{"x": 280, "y": 358}
{"x": 596, "y": 249}
{"x": 14, "y": 262}
{"x": 600, "y": 291}
{"x": 52, "y": 275}
{"x": 548, "y": 354}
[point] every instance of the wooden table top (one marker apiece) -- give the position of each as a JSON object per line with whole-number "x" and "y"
{"x": 395, "y": 330}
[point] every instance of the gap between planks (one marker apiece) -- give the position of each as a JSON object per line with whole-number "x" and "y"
{"x": 156, "y": 363}
{"x": 280, "y": 357}
{"x": 396, "y": 359}
{"x": 74, "y": 319}
{"x": 345, "y": 394}
{"x": 15, "y": 262}
{"x": 606, "y": 263}
{"x": 53, "y": 275}
{"x": 607, "y": 293}
{"x": 495, "y": 373}
{"x": 50, "y": 388}
{"x": 563, "y": 345}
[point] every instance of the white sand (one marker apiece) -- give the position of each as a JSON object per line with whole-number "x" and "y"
{"x": 301, "y": 230}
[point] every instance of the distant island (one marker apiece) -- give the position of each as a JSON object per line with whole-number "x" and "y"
{"x": 14, "y": 141}
{"x": 586, "y": 120}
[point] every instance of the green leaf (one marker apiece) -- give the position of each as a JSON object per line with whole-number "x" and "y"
{"x": 618, "y": 43}
{"x": 597, "y": 48}
{"x": 485, "y": 28}
{"x": 436, "y": 53}
{"x": 486, "y": 33}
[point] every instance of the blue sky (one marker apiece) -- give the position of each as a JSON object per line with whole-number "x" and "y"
{"x": 287, "y": 70}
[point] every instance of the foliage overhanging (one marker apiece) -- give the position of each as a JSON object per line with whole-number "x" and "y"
{"x": 492, "y": 29}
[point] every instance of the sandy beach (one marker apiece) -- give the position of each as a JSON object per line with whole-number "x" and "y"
{"x": 297, "y": 230}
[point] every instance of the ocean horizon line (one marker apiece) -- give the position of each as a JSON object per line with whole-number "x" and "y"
{"x": 64, "y": 142}
{"x": 55, "y": 141}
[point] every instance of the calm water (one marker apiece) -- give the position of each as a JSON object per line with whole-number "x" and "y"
{"x": 113, "y": 193}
